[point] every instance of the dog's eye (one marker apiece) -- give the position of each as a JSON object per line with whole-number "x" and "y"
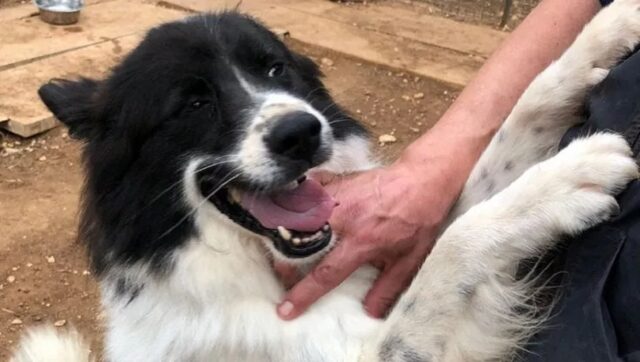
{"x": 197, "y": 104}
{"x": 276, "y": 70}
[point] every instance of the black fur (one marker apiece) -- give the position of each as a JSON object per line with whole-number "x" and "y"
{"x": 173, "y": 97}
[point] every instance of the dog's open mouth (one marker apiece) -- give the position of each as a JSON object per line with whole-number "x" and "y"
{"x": 295, "y": 217}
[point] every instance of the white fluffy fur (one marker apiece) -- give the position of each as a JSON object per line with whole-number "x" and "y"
{"x": 46, "y": 344}
{"x": 219, "y": 301}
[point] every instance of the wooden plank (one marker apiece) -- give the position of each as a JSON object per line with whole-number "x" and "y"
{"x": 29, "y": 9}
{"x": 443, "y": 64}
{"x": 388, "y": 18}
{"x": 17, "y": 12}
{"x": 18, "y": 91}
{"x": 404, "y": 21}
{"x": 26, "y": 39}
{"x": 32, "y": 52}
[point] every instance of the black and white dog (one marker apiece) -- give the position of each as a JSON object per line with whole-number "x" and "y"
{"x": 196, "y": 152}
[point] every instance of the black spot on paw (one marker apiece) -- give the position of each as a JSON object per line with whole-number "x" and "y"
{"x": 394, "y": 349}
{"x": 484, "y": 173}
{"x": 538, "y": 130}
{"x": 467, "y": 291}
{"x": 501, "y": 136}
{"x": 409, "y": 306}
{"x": 491, "y": 186}
{"x": 508, "y": 166}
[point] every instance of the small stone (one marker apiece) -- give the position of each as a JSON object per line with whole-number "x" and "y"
{"x": 60, "y": 323}
{"x": 51, "y": 259}
{"x": 42, "y": 158}
{"x": 326, "y": 61}
{"x": 11, "y": 279}
{"x": 406, "y": 98}
{"x": 16, "y": 321}
{"x": 86, "y": 272}
{"x": 414, "y": 130}
{"x": 29, "y": 265}
{"x": 9, "y": 151}
{"x": 387, "y": 138}
{"x": 418, "y": 95}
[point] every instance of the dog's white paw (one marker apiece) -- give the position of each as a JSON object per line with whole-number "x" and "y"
{"x": 575, "y": 189}
{"x": 613, "y": 32}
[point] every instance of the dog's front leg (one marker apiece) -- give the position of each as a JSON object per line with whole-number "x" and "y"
{"x": 553, "y": 102}
{"x": 465, "y": 304}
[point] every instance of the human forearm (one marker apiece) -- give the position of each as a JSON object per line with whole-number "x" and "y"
{"x": 468, "y": 125}
{"x": 390, "y": 216}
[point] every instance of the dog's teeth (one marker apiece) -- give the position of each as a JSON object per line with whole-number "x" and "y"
{"x": 326, "y": 227}
{"x": 235, "y": 195}
{"x": 317, "y": 235}
{"x": 284, "y": 233}
{"x": 291, "y": 185}
{"x": 297, "y": 241}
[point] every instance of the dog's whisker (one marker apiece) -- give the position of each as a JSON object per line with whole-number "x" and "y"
{"x": 176, "y": 184}
{"x": 306, "y": 98}
{"x": 339, "y": 121}
{"x": 206, "y": 199}
{"x": 332, "y": 104}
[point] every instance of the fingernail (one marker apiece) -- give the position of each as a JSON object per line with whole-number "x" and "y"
{"x": 285, "y": 308}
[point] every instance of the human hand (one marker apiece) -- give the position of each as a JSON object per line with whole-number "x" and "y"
{"x": 387, "y": 217}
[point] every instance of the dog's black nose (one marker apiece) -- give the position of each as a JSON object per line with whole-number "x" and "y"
{"x": 295, "y": 136}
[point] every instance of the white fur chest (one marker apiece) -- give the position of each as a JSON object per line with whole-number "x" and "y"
{"x": 219, "y": 303}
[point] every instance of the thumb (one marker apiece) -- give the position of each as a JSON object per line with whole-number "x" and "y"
{"x": 328, "y": 274}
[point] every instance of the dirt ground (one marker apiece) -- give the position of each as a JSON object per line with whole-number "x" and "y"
{"x": 44, "y": 275}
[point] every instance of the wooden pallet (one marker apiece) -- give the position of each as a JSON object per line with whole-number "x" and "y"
{"x": 33, "y": 52}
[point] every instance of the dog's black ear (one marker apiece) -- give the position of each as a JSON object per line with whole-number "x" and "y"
{"x": 71, "y": 101}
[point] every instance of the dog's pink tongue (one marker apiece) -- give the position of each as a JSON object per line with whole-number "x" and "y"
{"x": 305, "y": 208}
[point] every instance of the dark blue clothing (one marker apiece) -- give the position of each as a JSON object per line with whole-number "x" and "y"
{"x": 605, "y": 2}
{"x": 597, "y": 318}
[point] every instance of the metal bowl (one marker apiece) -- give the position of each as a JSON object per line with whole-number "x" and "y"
{"x": 59, "y": 12}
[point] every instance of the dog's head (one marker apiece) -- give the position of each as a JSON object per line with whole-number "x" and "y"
{"x": 214, "y": 109}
